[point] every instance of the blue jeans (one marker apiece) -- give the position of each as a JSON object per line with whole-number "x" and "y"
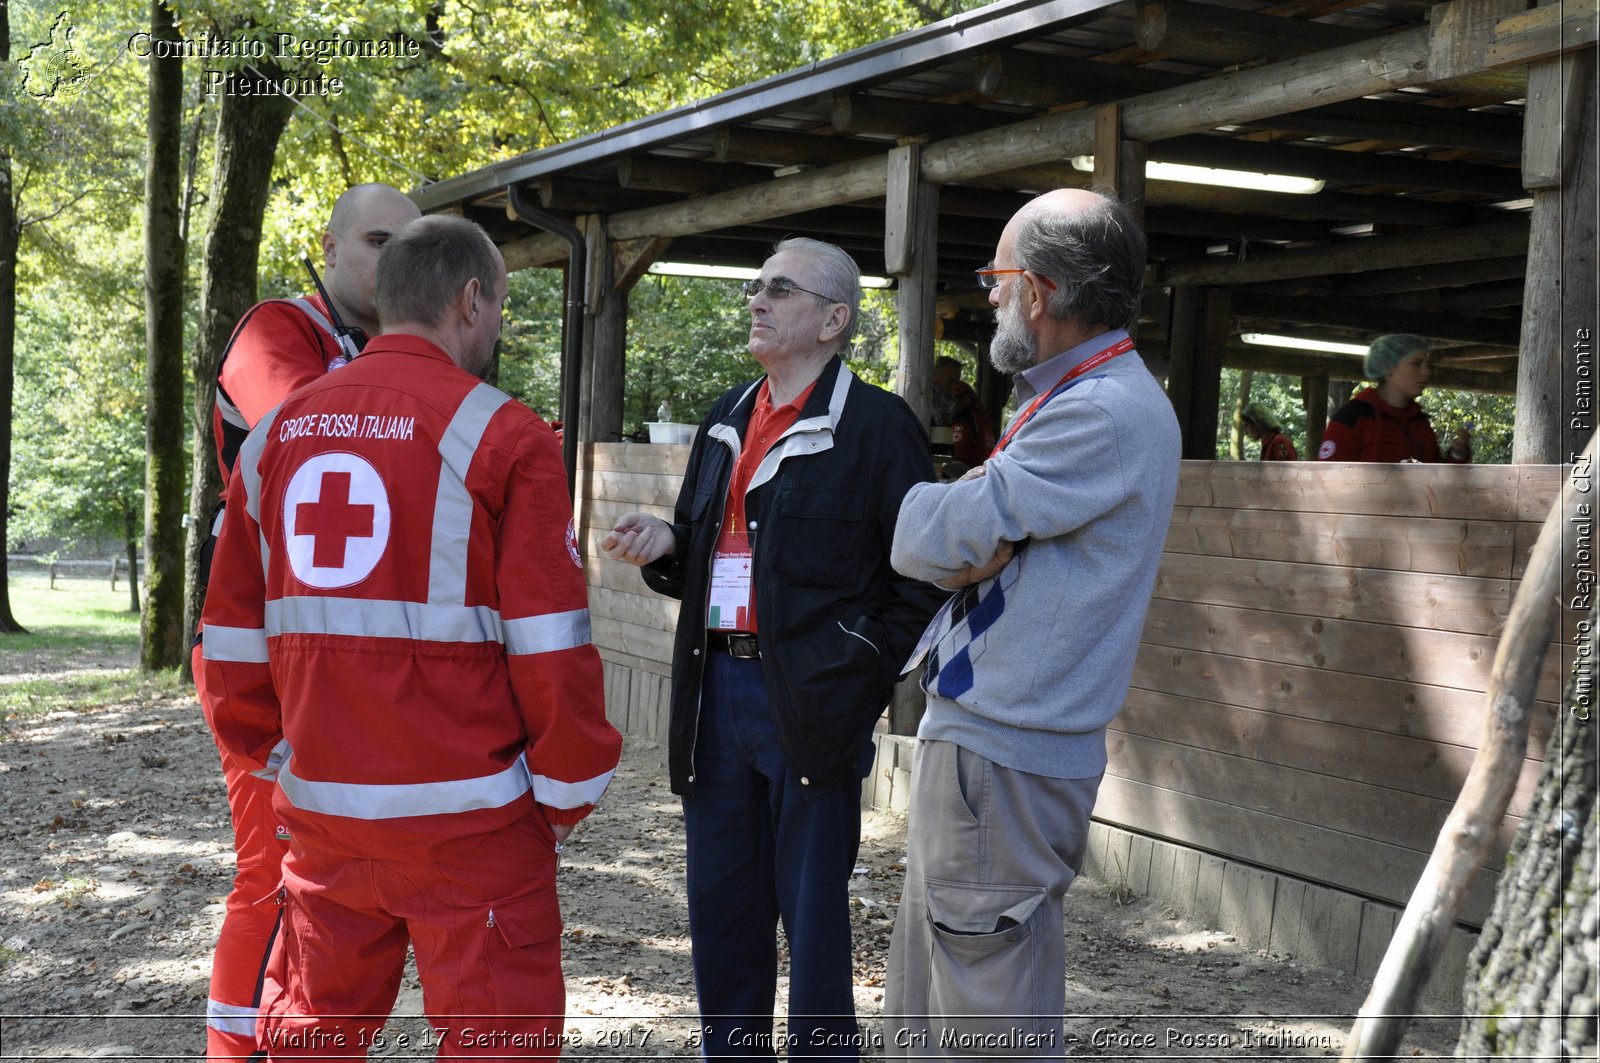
{"x": 762, "y": 847}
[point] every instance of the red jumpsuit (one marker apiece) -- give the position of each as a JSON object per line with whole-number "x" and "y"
{"x": 277, "y": 346}
{"x": 399, "y": 601}
{"x": 1278, "y": 447}
{"x": 1368, "y": 429}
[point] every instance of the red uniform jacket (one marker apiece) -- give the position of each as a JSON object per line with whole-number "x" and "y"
{"x": 1368, "y": 429}
{"x": 399, "y": 596}
{"x": 1278, "y": 447}
{"x": 275, "y": 348}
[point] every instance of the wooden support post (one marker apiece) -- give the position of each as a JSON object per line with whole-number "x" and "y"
{"x": 911, "y": 249}
{"x": 1108, "y": 149}
{"x": 597, "y": 281}
{"x": 1182, "y": 351}
{"x": 615, "y": 266}
{"x": 1119, "y": 162}
{"x": 911, "y": 253}
{"x": 1314, "y": 397}
{"x": 1205, "y": 397}
{"x": 1556, "y": 396}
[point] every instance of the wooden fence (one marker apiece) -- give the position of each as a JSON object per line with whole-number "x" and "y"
{"x": 1309, "y": 689}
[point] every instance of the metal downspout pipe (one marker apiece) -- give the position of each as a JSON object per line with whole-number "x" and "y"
{"x": 571, "y": 322}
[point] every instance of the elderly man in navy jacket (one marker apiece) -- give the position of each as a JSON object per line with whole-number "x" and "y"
{"x": 793, "y": 629}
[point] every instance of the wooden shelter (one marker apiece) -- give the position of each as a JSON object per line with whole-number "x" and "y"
{"x": 1306, "y": 697}
{"x": 1455, "y": 143}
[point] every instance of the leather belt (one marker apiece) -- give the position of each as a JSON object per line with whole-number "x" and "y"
{"x": 740, "y": 644}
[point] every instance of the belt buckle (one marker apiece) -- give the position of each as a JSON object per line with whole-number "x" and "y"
{"x": 743, "y": 647}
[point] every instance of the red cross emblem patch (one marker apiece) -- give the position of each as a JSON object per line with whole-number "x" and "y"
{"x": 336, "y": 520}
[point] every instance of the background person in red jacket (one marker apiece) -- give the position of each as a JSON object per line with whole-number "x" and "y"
{"x": 399, "y": 616}
{"x": 277, "y": 346}
{"x": 1262, "y": 425}
{"x": 1384, "y": 423}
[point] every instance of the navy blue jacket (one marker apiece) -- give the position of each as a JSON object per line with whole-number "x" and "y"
{"x": 836, "y": 622}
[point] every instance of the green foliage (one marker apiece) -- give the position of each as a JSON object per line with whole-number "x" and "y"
{"x": 1488, "y": 417}
{"x": 1280, "y": 394}
{"x": 686, "y": 344}
{"x": 78, "y": 468}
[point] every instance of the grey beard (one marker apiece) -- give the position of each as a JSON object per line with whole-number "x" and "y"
{"x": 1013, "y": 347}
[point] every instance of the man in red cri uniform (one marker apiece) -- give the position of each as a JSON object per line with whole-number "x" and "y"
{"x": 399, "y": 614}
{"x": 278, "y": 346}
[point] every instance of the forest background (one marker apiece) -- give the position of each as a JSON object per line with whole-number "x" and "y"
{"x": 108, "y": 335}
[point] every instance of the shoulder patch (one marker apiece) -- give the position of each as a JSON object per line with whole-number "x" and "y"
{"x": 1326, "y": 450}
{"x": 572, "y": 544}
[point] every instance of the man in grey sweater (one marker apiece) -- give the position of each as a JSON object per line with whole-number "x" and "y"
{"x": 1052, "y": 547}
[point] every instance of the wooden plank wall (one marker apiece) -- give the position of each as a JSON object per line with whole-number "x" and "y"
{"x": 1309, "y": 690}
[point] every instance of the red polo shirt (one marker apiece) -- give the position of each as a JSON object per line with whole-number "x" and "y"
{"x": 767, "y": 425}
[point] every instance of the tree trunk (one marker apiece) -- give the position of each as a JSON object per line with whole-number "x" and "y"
{"x": 1247, "y": 378}
{"x": 1530, "y": 989}
{"x": 9, "y": 239}
{"x": 162, "y": 641}
{"x": 248, "y": 129}
{"x": 130, "y": 536}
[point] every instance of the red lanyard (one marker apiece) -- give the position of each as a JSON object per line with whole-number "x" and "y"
{"x": 1094, "y": 362}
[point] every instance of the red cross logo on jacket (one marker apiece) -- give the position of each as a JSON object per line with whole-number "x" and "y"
{"x": 336, "y": 520}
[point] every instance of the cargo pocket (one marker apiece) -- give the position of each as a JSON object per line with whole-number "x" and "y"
{"x": 983, "y": 994}
{"x": 523, "y": 959}
{"x": 527, "y": 920}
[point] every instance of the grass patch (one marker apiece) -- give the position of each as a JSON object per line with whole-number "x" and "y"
{"x": 83, "y": 691}
{"x": 81, "y": 651}
{"x": 77, "y": 615}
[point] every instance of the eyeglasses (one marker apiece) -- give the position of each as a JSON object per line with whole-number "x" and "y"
{"x": 989, "y": 277}
{"x": 778, "y": 288}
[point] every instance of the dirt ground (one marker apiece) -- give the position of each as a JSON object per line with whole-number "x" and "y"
{"x": 118, "y": 856}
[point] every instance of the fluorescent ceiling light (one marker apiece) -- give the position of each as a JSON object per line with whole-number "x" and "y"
{"x": 734, "y": 273}
{"x": 1206, "y": 175}
{"x": 1300, "y": 343}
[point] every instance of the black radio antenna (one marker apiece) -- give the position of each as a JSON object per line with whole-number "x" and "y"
{"x": 341, "y": 331}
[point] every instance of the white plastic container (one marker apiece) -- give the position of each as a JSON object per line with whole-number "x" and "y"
{"x": 670, "y": 431}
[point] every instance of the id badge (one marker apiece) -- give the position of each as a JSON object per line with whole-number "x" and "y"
{"x": 729, "y": 606}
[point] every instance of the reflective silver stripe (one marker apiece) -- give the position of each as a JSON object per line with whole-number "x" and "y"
{"x": 245, "y": 645}
{"x": 558, "y": 794}
{"x": 310, "y": 310}
{"x": 547, "y": 633}
{"x": 248, "y": 463}
{"x": 452, "y": 507}
{"x": 230, "y": 412}
{"x": 379, "y": 619}
{"x": 236, "y": 1019}
{"x": 275, "y": 759}
{"x": 393, "y": 801}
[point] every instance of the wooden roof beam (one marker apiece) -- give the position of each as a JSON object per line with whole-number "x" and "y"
{"x": 1375, "y": 66}
{"x": 861, "y": 113}
{"x": 653, "y": 173}
{"x": 1391, "y": 170}
{"x": 1226, "y": 35}
{"x": 763, "y": 147}
{"x": 1221, "y": 34}
{"x": 1426, "y": 276}
{"x": 1503, "y": 238}
{"x": 1044, "y": 80}
{"x": 1371, "y": 316}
